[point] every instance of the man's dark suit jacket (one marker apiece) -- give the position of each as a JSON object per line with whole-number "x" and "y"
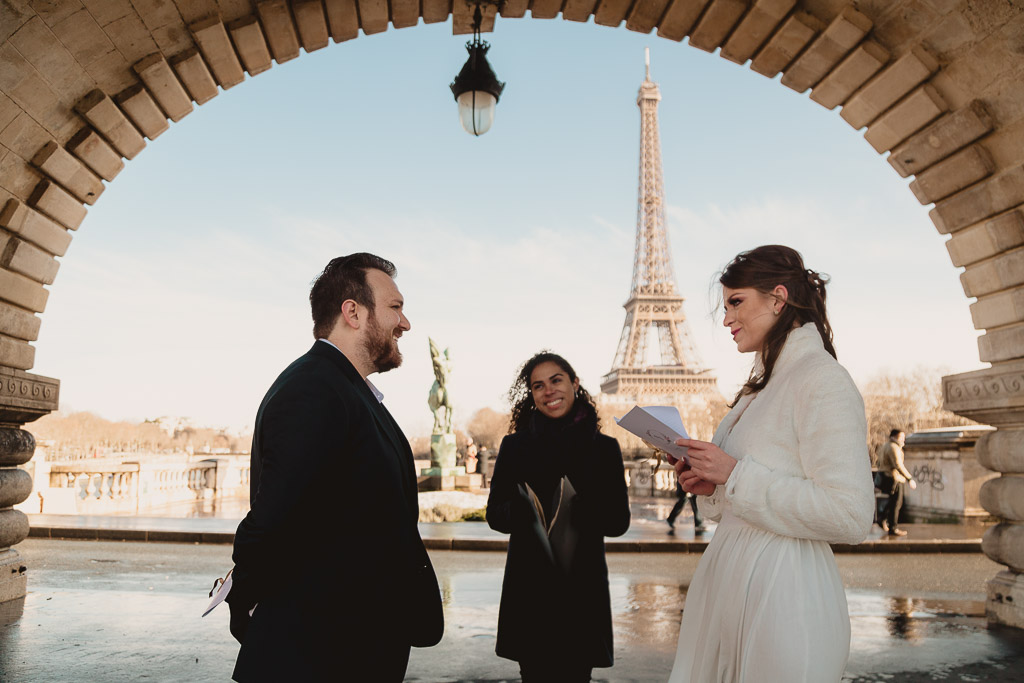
{"x": 329, "y": 552}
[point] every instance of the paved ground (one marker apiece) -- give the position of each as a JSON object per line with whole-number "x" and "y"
{"x": 125, "y": 611}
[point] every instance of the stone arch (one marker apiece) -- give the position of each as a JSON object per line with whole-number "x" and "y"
{"x": 937, "y": 84}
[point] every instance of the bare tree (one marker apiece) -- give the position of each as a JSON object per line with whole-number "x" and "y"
{"x": 488, "y": 427}
{"x": 908, "y": 401}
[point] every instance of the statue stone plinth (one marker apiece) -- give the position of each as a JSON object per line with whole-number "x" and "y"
{"x": 442, "y": 457}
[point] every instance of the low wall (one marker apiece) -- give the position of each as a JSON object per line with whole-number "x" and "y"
{"x": 947, "y": 471}
{"x": 129, "y": 484}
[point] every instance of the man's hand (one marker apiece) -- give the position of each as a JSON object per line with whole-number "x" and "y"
{"x": 239, "y": 622}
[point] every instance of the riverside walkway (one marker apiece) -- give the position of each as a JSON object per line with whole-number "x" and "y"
{"x": 119, "y": 598}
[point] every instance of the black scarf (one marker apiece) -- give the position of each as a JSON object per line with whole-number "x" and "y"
{"x": 560, "y": 447}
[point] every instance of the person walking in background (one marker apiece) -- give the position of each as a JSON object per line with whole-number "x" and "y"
{"x": 555, "y": 614}
{"x": 894, "y": 480}
{"x": 321, "y": 591}
{"x": 682, "y": 497}
{"x": 787, "y": 473}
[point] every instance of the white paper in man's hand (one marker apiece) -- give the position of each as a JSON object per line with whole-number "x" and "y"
{"x": 659, "y": 426}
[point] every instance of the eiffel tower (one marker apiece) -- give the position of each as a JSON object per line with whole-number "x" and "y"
{"x": 672, "y": 366}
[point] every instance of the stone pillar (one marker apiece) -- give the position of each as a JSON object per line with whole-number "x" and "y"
{"x": 23, "y": 398}
{"x": 995, "y": 396}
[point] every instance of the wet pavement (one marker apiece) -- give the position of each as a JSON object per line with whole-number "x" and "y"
{"x": 128, "y": 611}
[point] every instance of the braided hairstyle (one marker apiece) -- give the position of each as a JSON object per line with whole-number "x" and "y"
{"x": 521, "y": 397}
{"x": 763, "y": 269}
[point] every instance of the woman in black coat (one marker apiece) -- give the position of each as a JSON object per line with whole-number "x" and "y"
{"x": 555, "y": 619}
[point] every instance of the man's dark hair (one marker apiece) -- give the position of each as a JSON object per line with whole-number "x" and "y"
{"x": 342, "y": 279}
{"x": 894, "y": 433}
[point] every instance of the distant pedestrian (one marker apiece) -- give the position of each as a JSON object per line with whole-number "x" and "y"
{"x": 322, "y": 591}
{"x": 894, "y": 479}
{"x": 555, "y": 616}
{"x": 683, "y": 496}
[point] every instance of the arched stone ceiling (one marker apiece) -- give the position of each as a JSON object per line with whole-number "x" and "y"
{"x": 938, "y": 85}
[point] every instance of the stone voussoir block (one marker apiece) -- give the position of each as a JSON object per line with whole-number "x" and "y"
{"x": 311, "y": 23}
{"x": 851, "y": 73}
{"x": 18, "y": 323}
{"x": 786, "y": 44}
{"x": 951, "y": 175}
{"x": 944, "y": 137}
{"x": 35, "y": 227}
{"x": 69, "y": 172}
{"x": 104, "y": 116}
{"x": 978, "y": 202}
{"x": 18, "y": 354}
{"x": 406, "y": 13}
{"x": 755, "y": 28}
{"x": 56, "y": 203}
{"x": 143, "y": 111}
{"x": 842, "y": 35}
{"x": 94, "y": 151}
{"x": 15, "y": 486}
{"x": 16, "y": 446}
{"x": 195, "y": 76}
{"x": 716, "y": 23}
{"x": 539, "y": 9}
{"x": 30, "y": 261}
{"x": 212, "y": 37}
{"x": 343, "y": 19}
{"x": 437, "y": 11}
{"x": 1000, "y": 272}
{"x": 888, "y": 87}
{"x": 914, "y": 112}
{"x": 373, "y": 16}
{"x": 1002, "y": 344}
{"x": 280, "y": 31}
{"x": 996, "y": 310}
{"x": 643, "y": 17}
{"x": 250, "y": 44}
{"x": 679, "y": 18}
{"x": 22, "y": 291}
{"x": 163, "y": 84}
{"x": 987, "y": 239}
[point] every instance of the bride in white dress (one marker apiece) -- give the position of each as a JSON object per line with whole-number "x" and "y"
{"x": 786, "y": 473}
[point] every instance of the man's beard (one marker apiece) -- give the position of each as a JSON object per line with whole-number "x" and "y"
{"x": 381, "y": 347}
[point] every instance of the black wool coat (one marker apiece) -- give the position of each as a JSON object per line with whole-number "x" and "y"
{"x": 545, "y": 614}
{"x": 329, "y": 552}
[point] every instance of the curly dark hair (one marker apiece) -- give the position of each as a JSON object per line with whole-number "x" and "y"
{"x": 521, "y": 398}
{"x": 763, "y": 269}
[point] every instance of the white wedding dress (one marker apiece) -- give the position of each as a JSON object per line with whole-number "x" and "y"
{"x": 766, "y": 604}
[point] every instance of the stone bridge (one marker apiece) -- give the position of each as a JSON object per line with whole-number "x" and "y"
{"x": 936, "y": 85}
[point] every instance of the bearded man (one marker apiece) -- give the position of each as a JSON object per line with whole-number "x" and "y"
{"x": 331, "y": 578}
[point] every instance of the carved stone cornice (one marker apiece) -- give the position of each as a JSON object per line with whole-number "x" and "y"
{"x": 25, "y": 397}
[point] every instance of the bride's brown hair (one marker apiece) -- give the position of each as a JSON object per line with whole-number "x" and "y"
{"x": 764, "y": 269}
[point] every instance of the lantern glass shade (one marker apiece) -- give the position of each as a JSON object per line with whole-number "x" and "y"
{"x": 476, "y": 111}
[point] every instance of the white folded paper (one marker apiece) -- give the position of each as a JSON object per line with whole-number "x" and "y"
{"x": 659, "y": 426}
{"x": 222, "y": 592}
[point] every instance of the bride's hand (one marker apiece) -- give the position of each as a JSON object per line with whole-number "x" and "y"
{"x": 692, "y": 483}
{"x": 708, "y": 461}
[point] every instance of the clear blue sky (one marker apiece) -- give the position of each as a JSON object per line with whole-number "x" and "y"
{"x": 184, "y": 292}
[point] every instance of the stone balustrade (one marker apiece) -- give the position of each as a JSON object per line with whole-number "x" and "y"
{"x": 113, "y": 486}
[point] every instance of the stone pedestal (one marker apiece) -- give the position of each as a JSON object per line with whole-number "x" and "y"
{"x": 995, "y": 396}
{"x": 23, "y": 398}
